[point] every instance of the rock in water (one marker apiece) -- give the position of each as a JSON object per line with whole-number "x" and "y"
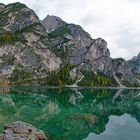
{"x": 22, "y": 131}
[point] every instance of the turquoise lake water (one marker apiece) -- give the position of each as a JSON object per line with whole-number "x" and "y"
{"x": 74, "y": 113}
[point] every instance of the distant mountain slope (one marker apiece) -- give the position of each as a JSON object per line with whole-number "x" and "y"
{"x": 87, "y": 56}
{"x": 134, "y": 63}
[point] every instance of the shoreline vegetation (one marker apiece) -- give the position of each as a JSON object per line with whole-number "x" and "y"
{"x": 63, "y": 79}
{"x": 68, "y": 87}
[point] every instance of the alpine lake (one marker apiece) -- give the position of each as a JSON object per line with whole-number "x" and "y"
{"x": 74, "y": 113}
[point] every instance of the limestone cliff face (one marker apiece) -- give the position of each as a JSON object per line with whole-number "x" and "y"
{"x": 16, "y": 16}
{"x": 76, "y": 47}
{"x": 24, "y": 44}
{"x": 122, "y": 70}
{"x": 98, "y": 57}
{"x": 134, "y": 64}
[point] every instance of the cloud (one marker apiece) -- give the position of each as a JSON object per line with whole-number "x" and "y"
{"x": 117, "y": 21}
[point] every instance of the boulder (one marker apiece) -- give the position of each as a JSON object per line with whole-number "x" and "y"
{"x": 22, "y": 131}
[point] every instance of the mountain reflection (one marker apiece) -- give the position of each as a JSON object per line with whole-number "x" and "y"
{"x": 65, "y": 113}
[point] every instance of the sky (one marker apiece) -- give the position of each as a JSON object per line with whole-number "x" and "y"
{"x": 116, "y": 21}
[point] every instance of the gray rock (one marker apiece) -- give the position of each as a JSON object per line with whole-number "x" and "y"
{"x": 2, "y": 6}
{"x": 17, "y": 16}
{"x": 98, "y": 57}
{"x": 52, "y": 23}
{"x": 84, "y": 53}
{"x": 122, "y": 70}
{"x": 21, "y": 131}
{"x": 29, "y": 50}
{"x": 134, "y": 64}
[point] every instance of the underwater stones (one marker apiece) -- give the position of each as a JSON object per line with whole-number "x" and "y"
{"x": 22, "y": 131}
{"x": 86, "y": 117}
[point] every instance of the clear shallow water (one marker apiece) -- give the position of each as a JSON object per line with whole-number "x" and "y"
{"x": 74, "y": 114}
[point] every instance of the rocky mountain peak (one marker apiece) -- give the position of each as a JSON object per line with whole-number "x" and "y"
{"x": 24, "y": 45}
{"x": 52, "y": 23}
{"x": 134, "y": 63}
{"x": 16, "y": 16}
{"x": 100, "y": 41}
{"x": 101, "y": 44}
{"x": 139, "y": 55}
{"x": 98, "y": 49}
{"x": 122, "y": 70}
{"x": 1, "y": 6}
{"x": 76, "y": 47}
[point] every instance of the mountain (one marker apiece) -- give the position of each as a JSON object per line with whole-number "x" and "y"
{"x": 24, "y": 45}
{"x": 53, "y": 52}
{"x": 87, "y": 56}
{"x": 134, "y": 63}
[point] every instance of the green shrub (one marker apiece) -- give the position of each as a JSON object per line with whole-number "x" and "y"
{"x": 20, "y": 74}
{"x": 99, "y": 79}
{"x": 61, "y": 77}
{"x": 59, "y": 32}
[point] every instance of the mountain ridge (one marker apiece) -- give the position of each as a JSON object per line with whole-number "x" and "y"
{"x": 53, "y": 52}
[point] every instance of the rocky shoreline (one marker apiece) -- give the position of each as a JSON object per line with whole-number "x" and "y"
{"x": 22, "y": 131}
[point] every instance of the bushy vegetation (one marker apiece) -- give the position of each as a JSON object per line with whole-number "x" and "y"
{"x": 62, "y": 52}
{"x": 9, "y": 37}
{"x": 57, "y": 78}
{"x": 12, "y": 37}
{"x": 92, "y": 79}
{"x": 15, "y": 6}
{"x": 20, "y": 75}
{"x": 59, "y": 32}
{"x": 138, "y": 76}
{"x": 62, "y": 77}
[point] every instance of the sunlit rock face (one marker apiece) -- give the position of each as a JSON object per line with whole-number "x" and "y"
{"x": 17, "y": 16}
{"x": 24, "y": 44}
